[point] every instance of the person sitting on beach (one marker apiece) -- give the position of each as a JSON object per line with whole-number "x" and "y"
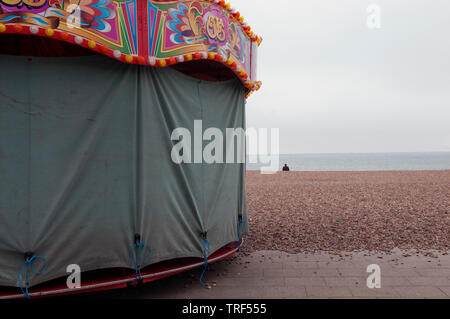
{"x": 285, "y": 168}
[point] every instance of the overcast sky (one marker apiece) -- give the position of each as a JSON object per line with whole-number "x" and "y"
{"x": 332, "y": 85}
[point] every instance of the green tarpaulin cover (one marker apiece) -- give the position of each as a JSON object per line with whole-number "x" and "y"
{"x": 85, "y": 163}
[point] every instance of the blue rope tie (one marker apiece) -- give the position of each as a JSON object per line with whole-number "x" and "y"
{"x": 240, "y": 222}
{"x": 206, "y": 248}
{"x": 139, "y": 258}
{"x": 29, "y": 261}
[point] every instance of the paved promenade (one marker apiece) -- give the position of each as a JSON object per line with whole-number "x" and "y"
{"x": 274, "y": 274}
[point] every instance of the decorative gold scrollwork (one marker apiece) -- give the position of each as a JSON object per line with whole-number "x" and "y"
{"x": 29, "y": 3}
{"x": 215, "y": 28}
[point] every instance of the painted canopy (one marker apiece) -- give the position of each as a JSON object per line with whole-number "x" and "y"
{"x": 146, "y": 32}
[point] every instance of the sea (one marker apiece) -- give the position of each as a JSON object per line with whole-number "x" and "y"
{"x": 358, "y": 161}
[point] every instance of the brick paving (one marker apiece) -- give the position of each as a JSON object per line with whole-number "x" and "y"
{"x": 275, "y": 274}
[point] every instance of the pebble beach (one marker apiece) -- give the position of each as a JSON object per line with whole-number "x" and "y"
{"x": 336, "y": 212}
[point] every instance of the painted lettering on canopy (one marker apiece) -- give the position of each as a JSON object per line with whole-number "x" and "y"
{"x": 216, "y": 25}
{"x": 215, "y": 28}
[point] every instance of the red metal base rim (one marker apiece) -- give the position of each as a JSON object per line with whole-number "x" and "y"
{"x": 150, "y": 273}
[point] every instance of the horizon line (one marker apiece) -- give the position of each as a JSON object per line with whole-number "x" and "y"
{"x": 327, "y": 153}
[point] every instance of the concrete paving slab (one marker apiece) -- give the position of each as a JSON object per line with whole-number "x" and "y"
{"x": 328, "y": 292}
{"x": 420, "y": 292}
{"x": 273, "y": 274}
